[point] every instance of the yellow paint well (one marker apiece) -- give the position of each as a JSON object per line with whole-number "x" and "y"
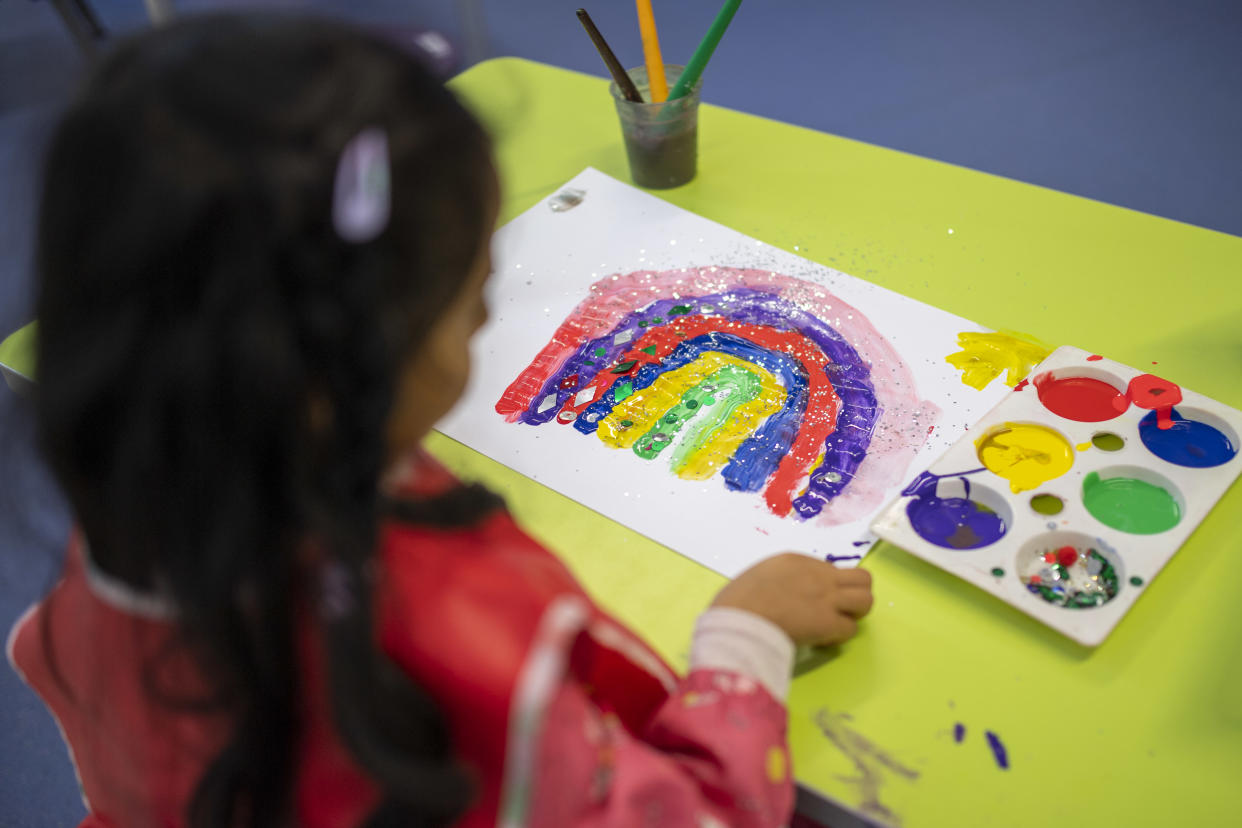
{"x": 1026, "y": 455}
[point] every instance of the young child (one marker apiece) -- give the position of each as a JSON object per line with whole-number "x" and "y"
{"x": 263, "y": 247}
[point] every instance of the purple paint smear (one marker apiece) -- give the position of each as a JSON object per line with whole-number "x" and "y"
{"x": 835, "y": 558}
{"x": 998, "y": 750}
{"x": 959, "y": 732}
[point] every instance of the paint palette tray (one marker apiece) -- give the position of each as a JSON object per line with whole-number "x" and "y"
{"x": 1071, "y": 495}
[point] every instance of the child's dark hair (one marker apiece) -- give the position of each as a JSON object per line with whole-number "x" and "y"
{"x": 195, "y": 307}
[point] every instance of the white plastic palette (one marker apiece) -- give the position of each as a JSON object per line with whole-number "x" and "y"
{"x": 1124, "y": 508}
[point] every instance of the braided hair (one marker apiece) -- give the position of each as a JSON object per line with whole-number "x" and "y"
{"x": 194, "y": 301}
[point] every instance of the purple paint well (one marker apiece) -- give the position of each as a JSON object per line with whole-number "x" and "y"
{"x": 998, "y": 750}
{"x": 951, "y": 522}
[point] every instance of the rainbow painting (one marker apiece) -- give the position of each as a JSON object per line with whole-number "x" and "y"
{"x": 723, "y": 397}
{"x": 763, "y": 380}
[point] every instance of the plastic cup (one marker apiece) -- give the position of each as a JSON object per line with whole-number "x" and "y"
{"x": 661, "y": 139}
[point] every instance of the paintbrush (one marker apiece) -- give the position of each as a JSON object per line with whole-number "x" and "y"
{"x": 651, "y": 52}
{"x": 627, "y": 87}
{"x": 694, "y": 69}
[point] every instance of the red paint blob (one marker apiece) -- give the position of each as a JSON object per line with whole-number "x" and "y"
{"x": 1021, "y": 385}
{"x": 1050, "y": 557}
{"x": 1083, "y": 399}
{"x": 1150, "y": 391}
{"x": 1094, "y": 358}
{"x": 1067, "y": 556}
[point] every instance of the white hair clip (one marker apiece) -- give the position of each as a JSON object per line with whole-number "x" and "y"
{"x": 361, "y": 198}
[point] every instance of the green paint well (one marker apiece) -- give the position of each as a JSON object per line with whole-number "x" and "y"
{"x": 1047, "y": 504}
{"x": 1130, "y": 505}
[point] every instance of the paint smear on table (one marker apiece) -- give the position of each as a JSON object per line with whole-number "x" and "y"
{"x": 985, "y": 356}
{"x": 748, "y": 375}
{"x": 998, "y": 750}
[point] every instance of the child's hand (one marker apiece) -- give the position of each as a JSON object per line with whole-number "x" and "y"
{"x": 812, "y": 601}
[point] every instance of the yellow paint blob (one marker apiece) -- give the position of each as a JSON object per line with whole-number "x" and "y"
{"x": 776, "y": 765}
{"x": 646, "y": 406}
{"x": 1026, "y": 455}
{"x": 1082, "y": 446}
{"x": 985, "y": 356}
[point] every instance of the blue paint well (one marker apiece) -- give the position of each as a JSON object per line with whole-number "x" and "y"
{"x": 1188, "y": 443}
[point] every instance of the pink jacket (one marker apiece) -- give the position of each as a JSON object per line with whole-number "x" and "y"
{"x": 564, "y": 716}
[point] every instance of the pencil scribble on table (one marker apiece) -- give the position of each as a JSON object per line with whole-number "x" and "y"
{"x": 873, "y": 764}
{"x": 772, "y": 383}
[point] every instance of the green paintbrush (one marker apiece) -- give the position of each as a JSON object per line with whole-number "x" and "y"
{"x": 694, "y": 69}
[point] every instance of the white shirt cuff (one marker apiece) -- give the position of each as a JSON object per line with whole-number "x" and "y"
{"x": 731, "y": 639}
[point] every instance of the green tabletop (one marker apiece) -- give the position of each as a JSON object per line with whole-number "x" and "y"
{"x": 1144, "y": 730}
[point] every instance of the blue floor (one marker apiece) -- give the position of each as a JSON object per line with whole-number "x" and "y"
{"x": 1133, "y": 102}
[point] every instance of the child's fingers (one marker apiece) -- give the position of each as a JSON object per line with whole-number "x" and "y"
{"x": 854, "y": 601}
{"x": 853, "y": 577}
{"x": 840, "y": 628}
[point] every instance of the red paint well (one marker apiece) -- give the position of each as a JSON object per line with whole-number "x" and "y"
{"x": 1083, "y": 399}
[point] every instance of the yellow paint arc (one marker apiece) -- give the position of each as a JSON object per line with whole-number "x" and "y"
{"x": 1025, "y": 454}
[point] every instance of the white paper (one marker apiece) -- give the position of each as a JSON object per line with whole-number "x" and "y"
{"x": 545, "y": 263}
